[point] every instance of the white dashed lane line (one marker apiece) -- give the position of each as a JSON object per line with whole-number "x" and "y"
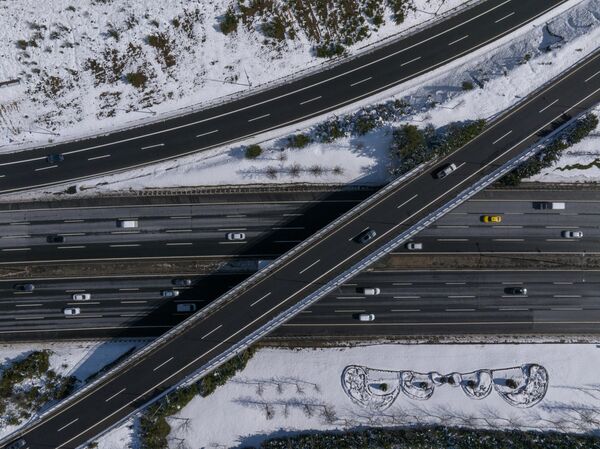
{"x": 206, "y": 134}
{"x": 505, "y": 17}
{"x": 361, "y": 81}
{"x": 546, "y": 107}
{"x": 501, "y": 137}
{"x": 153, "y": 146}
{"x": 408, "y": 62}
{"x": 311, "y": 100}
{"x": 98, "y": 157}
{"x": 259, "y": 117}
{"x": 458, "y": 40}
{"x": 115, "y": 395}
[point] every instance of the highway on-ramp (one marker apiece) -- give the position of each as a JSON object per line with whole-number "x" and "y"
{"x": 280, "y": 106}
{"x": 393, "y": 211}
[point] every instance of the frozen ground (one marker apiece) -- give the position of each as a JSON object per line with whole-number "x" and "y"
{"x": 73, "y": 57}
{"x": 79, "y": 359}
{"x": 501, "y": 76}
{"x": 286, "y": 391}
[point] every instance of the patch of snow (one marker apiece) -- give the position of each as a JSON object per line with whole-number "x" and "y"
{"x": 284, "y": 391}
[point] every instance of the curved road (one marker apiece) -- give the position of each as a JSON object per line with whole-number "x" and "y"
{"x": 292, "y": 103}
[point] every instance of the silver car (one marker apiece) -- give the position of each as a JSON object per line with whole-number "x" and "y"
{"x": 571, "y": 234}
{"x": 236, "y": 236}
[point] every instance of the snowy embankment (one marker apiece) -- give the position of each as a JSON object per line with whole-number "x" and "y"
{"x": 90, "y": 66}
{"x": 501, "y": 77}
{"x": 536, "y": 386}
{"x": 79, "y": 359}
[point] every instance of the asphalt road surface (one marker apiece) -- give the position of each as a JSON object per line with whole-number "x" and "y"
{"x": 275, "y": 223}
{"x": 557, "y": 301}
{"x": 317, "y": 264}
{"x": 285, "y": 105}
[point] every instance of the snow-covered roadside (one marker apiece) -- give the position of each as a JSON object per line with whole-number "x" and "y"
{"x": 295, "y": 387}
{"x": 506, "y": 73}
{"x": 72, "y": 59}
{"x": 79, "y": 359}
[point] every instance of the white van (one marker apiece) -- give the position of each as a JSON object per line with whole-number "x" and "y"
{"x": 127, "y": 223}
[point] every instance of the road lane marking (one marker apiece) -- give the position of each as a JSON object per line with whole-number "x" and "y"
{"x": 361, "y": 81}
{"x": 31, "y": 317}
{"x": 163, "y": 363}
{"x": 178, "y": 230}
{"x": 22, "y": 236}
{"x": 179, "y": 244}
{"x": 71, "y": 234}
{"x": 349, "y": 311}
{"x": 46, "y": 168}
{"x": 586, "y": 80}
{"x": 402, "y": 283}
{"x": 124, "y": 245}
{"x": 460, "y": 310}
{"x": 455, "y": 283}
{"x": 562, "y": 283}
{"x": 408, "y": 62}
{"x": 406, "y": 297}
{"x": 75, "y": 220}
{"x": 98, "y": 157}
{"x": 183, "y": 217}
{"x": 125, "y": 232}
{"x": 259, "y": 117}
{"x": 71, "y": 247}
{"x": 312, "y": 99}
{"x": 407, "y": 201}
{"x": 16, "y": 249}
{"x": 132, "y": 289}
{"x": 505, "y": 17}
{"x": 460, "y": 296}
{"x": 458, "y": 40}
{"x": 67, "y": 425}
{"x": 28, "y": 305}
{"x": 546, "y": 107}
{"x": 310, "y": 266}
{"x": 153, "y": 146}
{"x": 209, "y": 132}
{"x": 501, "y": 137}
{"x": 452, "y": 240}
{"x": 452, "y": 226}
{"x": 567, "y": 296}
{"x": 15, "y": 223}
{"x": 405, "y": 310}
{"x": 282, "y": 228}
{"x": 259, "y": 300}
{"x": 566, "y": 308}
{"x": 237, "y": 216}
{"x": 232, "y": 229}
{"x": 232, "y": 243}
{"x": 135, "y": 302}
{"x": 115, "y": 395}
{"x": 516, "y": 309}
{"x": 212, "y": 331}
{"x": 508, "y": 240}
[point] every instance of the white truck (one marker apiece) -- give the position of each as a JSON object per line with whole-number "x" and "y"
{"x": 549, "y": 205}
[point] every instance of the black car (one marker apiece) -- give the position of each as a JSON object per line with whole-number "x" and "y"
{"x": 365, "y": 236}
{"x": 24, "y": 287}
{"x": 55, "y": 239}
{"x": 181, "y": 282}
{"x": 55, "y": 158}
{"x": 17, "y": 444}
{"x": 521, "y": 291}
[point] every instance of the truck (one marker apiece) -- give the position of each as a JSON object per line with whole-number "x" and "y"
{"x": 549, "y": 205}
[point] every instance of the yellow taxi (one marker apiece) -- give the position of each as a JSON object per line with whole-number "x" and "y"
{"x": 491, "y": 218}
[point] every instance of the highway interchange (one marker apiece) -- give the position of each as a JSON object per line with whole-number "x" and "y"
{"x": 311, "y": 269}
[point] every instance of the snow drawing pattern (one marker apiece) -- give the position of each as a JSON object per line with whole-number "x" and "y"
{"x": 522, "y": 386}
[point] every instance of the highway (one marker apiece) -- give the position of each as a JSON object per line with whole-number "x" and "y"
{"x": 131, "y": 306}
{"x": 274, "y": 223}
{"x": 292, "y": 103}
{"x": 397, "y": 208}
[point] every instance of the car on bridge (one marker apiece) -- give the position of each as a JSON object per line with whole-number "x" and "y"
{"x": 55, "y": 239}
{"x": 70, "y": 311}
{"x": 16, "y": 444}
{"x": 82, "y": 296}
{"x": 366, "y": 317}
{"x": 571, "y": 234}
{"x": 24, "y": 287}
{"x": 236, "y": 236}
{"x": 368, "y": 291}
{"x": 169, "y": 293}
{"x": 517, "y": 291}
{"x": 444, "y": 171}
{"x": 54, "y": 158}
{"x": 414, "y": 246}
{"x": 181, "y": 282}
{"x": 365, "y": 236}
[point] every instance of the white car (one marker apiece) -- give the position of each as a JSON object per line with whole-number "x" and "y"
{"x": 414, "y": 246}
{"x": 236, "y": 236}
{"x": 366, "y": 317}
{"x": 169, "y": 293}
{"x": 72, "y": 311}
{"x": 82, "y": 296}
{"x": 369, "y": 291}
{"x": 572, "y": 234}
{"x": 127, "y": 223}
{"x": 445, "y": 171}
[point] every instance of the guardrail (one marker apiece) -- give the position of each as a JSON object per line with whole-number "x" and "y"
{"x": 317, "y": 68}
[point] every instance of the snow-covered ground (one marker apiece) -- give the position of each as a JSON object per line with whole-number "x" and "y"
{"x": 72, "y": 59}
{"x": 502, "y": 76}
{"x": 79, "y": 359}
{"x": 285, "y": 391}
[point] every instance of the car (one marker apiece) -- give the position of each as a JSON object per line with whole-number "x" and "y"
{"x": 18, "y": 444}
{"x": 69, "y": 311}
{"x": 366, "y": 317}
{"x": 519, "y": 291}
{"x": 365, "y": 236}
{"x": 414, "y": 246}
{"x": 571, "y": 234}
{"x": 24, "y": 287}
{"x": 55, "y": 239}
{"x": 169, "y": 293}
{"x": 549, "y": 205}
{"x": 186, "y": 307}
{"x": 491, "y": 218}
{"x": 181, "y": 282}
{"x": 444, "y": 171}
{"x": 81, "y": 296}
{"x": 368, "y": 291}
{"x": 127, "y": 223}
{"x": 55, "y": 158}
{"x": 235, "y": 236}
